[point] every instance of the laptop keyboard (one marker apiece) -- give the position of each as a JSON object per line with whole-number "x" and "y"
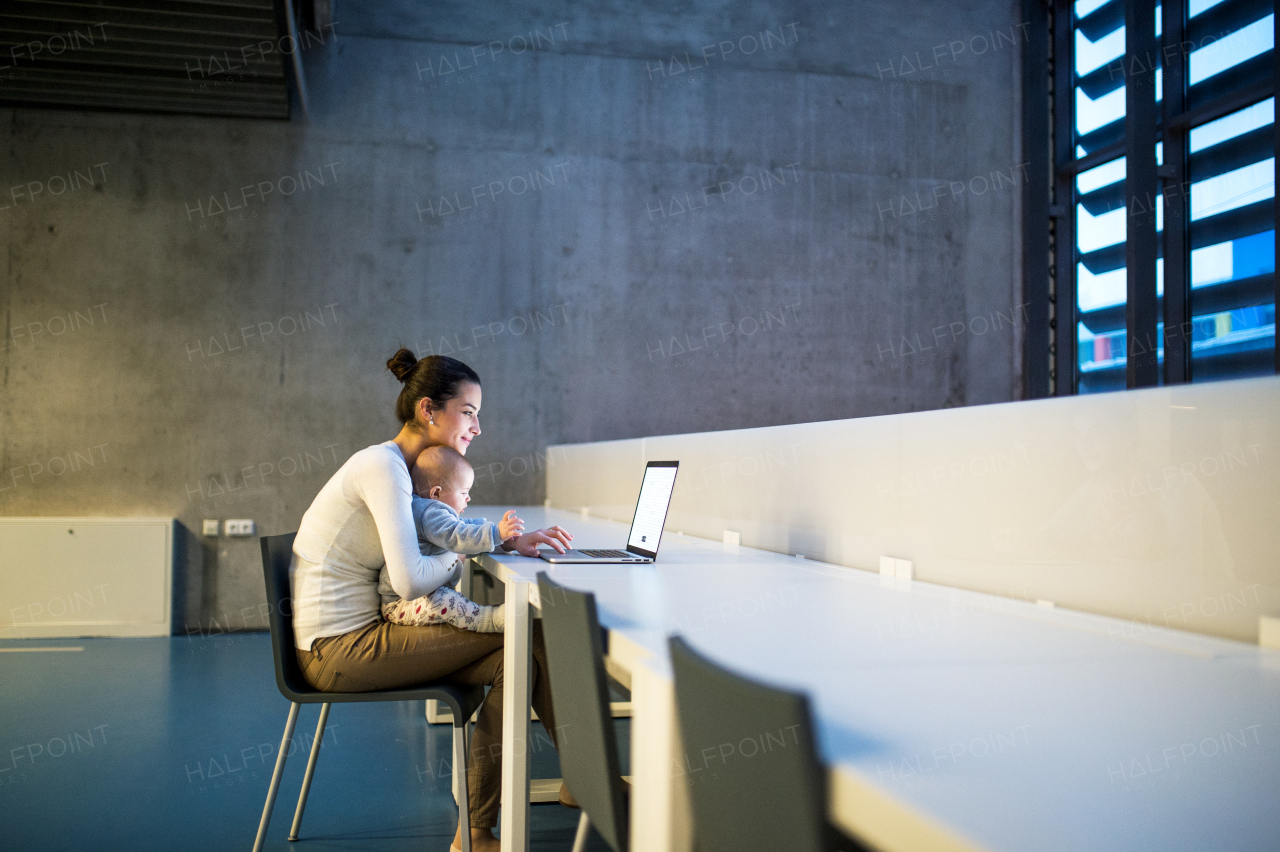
{"x": 607, "y": 554}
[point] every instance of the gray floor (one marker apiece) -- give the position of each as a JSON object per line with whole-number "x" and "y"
{"x": 168, "y": 744}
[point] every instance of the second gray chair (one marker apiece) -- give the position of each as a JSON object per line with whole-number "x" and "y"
{"x": 580, "y": 692}
{"x": 755, "y": 781}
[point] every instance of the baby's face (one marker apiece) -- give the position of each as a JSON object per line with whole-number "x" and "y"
{"x": 455, "y": 494}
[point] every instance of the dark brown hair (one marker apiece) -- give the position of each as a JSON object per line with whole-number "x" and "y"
{"x": 435, "y": 377}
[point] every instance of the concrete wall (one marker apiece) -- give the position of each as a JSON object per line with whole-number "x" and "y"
{"x": 676, "y": 220}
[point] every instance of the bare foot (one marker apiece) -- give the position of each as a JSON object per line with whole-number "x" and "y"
{"x": 482, "y": 840}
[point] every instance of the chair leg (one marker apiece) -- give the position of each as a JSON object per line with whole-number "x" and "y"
{"x": 311, "y": 770}
{"x": 460, "y": 778}
{"x": 580, "y": 841}
{"x": 275, "y": 777}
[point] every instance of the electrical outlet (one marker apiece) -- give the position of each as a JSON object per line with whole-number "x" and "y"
{"x": 239, "y": 527}
{"x": 1268, "y": 632}
{"x": 890, "y": 566}
{"x": 210, "y": 528}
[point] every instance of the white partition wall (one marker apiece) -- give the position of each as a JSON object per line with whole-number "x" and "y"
{"x": 1159, "y": 506}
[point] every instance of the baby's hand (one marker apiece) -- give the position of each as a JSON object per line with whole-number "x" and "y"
{"x": 510, "y": 526}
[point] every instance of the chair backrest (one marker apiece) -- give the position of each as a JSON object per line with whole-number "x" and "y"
{"x": 755, "y": 781}
{"x": 580, "y": 693}
{"x": 277, "y": 553}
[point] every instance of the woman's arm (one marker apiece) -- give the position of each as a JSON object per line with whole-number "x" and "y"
{"x": 385, "y": 487}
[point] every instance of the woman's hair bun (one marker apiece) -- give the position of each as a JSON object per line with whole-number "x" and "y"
{"x": 436, "y": 377}
{"x": 402, "y": 363}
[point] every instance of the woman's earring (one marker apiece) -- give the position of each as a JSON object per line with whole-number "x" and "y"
{"x": 432, "y": 422}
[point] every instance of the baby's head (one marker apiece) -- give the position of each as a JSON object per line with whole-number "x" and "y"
{"x": 444, "y": 474}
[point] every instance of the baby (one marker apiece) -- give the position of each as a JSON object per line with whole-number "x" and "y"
{"x": 442, "y": 479}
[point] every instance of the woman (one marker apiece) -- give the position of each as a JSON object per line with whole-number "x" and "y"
{"x": 362, "y": 519}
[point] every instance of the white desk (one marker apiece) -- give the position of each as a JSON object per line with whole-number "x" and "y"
{"x": 949, "y": 719}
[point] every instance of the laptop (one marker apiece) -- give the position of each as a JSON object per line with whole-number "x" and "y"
{"x": 646, "y": 525}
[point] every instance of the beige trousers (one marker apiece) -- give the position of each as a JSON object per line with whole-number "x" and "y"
{"x": 391, "y": 656}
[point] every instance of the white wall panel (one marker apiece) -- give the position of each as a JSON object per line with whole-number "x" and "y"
{"x": 1160, "y": 506}
{"x": 85, "y": 577}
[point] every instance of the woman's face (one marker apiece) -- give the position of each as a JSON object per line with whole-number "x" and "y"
{"x": 456, "y": 423}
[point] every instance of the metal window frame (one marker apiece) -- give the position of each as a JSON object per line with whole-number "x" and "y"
{"x": 1177, "y": 197}
{"x": 1037, "y": 241}
{"x": 1051, "y": 287}
{"x": 1066, "y": 356}
{"x": 1141, "y": 53}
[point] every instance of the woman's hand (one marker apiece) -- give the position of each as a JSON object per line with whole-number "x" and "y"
{"x": 510, "y": 526}
{"x": 527, "y": 544}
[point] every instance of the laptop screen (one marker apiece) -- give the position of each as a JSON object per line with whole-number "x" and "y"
{"x": 651, "y": 509}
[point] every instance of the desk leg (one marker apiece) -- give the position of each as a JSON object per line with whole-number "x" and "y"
{"x": 660, "y": 815}
{"x": 517, "y": 661}
{"x": 464, "y": 580}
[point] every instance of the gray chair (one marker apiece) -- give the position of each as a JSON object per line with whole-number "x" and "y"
{"x": 755, "y": 780}
{"x": 462, "y": 700}
{"x": 580, "y": 692}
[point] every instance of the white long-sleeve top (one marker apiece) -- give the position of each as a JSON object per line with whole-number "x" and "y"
{"x": 360, "y": 521}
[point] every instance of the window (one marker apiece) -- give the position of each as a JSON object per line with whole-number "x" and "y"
{"x": 1210, "y": 72}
